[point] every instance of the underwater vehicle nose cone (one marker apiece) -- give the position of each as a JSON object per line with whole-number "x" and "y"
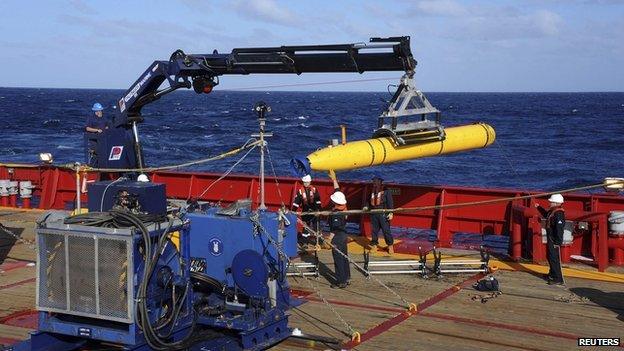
{"x": 378, "y": 151}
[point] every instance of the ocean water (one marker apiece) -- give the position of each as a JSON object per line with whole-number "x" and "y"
{"x": 544, "y": 140}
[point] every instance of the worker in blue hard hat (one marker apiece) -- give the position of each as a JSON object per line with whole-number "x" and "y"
{"x": 96, "y": 124}
{"x": 555, "y": 225}
{"x": 307, "y": 199}
{"x": 380, "y": 199}
{"x": 338, "y": 228}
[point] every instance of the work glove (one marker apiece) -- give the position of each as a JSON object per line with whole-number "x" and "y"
{"x": 332, "y": 174}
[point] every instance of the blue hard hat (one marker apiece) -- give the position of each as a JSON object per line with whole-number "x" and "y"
{"x": 97, "y": 107}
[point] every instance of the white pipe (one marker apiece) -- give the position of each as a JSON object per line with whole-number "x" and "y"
{"x": 391, "y": 264}
{"x": 78, "y": 204}
{"x": 462, "y": 270}
{"x": 460, "y": 262}
{"x": 395, "y": 272}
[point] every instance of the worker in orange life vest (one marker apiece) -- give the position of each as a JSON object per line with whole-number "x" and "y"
{"x": 307, "y": 199}
{"x": 555, "y": 225}
{"x": 381, "y": 198}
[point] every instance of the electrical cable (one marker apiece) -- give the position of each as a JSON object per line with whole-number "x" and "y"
{"x": 123, "y": 219}
{"x": 106, "y": 189}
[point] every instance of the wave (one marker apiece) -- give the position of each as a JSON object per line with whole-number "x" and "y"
{"x": 8, "y": 151}
{"x": 196, "y": 129}
{"x": 52, "y": 121}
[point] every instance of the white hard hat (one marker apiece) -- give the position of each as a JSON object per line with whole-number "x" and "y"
{"x": 339, "y": 198}
{"x": 306, "y": 178}
{"x": 142, "y": 178}
{"x": 556, "y": 198}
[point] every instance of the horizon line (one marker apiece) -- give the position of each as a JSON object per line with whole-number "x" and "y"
{"x": 242, "y": 90}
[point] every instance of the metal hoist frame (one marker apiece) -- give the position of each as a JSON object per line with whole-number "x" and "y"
{"x": 406, "y": 102}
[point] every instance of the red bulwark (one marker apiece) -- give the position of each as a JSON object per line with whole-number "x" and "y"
{"x": 56, "y": 188}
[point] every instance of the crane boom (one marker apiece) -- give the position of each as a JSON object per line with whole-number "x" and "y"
{"x": 202, "y": 71}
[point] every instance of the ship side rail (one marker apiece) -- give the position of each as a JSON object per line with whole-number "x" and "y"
{"x": 55, "y": 188}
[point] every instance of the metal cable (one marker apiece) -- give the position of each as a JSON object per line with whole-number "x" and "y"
{"x": 261, "y": 230}
{"x": 408, "y": 305}
{"x": 279, "y": 192}
{"x": 500, "y": 147}
{"x": 310, "y": 84}
{"x": 458, "y": 205}
{"x": 19, "y": 239}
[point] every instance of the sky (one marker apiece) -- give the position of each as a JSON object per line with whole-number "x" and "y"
{"x": 465, "y": 46}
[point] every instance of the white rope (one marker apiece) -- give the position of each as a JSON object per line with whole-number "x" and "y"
{"x": 457, "y": 205}
{"x": 228, "y": 171}
{"x": 247, "y": 145}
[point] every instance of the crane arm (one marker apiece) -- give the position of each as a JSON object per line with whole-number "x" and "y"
{"x": 201, "y": 72}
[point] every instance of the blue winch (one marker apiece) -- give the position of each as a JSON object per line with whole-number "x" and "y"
{"x": 213, "y": 278}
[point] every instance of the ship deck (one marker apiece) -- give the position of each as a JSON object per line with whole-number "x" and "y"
{"x": 529, "y": 315}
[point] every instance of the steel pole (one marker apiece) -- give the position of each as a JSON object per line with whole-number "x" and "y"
{"x": 262, "y": 124}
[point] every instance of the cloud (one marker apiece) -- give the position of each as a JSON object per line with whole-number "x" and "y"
{"x": 197, "y": 5}
{"x": 547, "y": 22}
{"x": 439, "y": 8}
{"x": 490, "y": 23}
{"x": 83, "y": 7}
{"x": 135, "y": 34}
{"x": 267, "y": 11}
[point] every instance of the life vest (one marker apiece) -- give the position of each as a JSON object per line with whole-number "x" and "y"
{"x": 552, "y": 213}
{"x": 304, "y": 195}
{"x": 377, "y": 199}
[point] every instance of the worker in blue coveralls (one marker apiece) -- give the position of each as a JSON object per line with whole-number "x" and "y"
{"x": 381, "y": 198}
{"x": 338, "y": 235}
{"x": 96, "y": 124}
{"x": 555, "y": 225}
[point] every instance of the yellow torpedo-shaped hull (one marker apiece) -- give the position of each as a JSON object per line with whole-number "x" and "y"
{"x": 378, "y": 151}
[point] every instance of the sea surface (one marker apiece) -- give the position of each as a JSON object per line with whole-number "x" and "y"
{"x": 544, "y": 141}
